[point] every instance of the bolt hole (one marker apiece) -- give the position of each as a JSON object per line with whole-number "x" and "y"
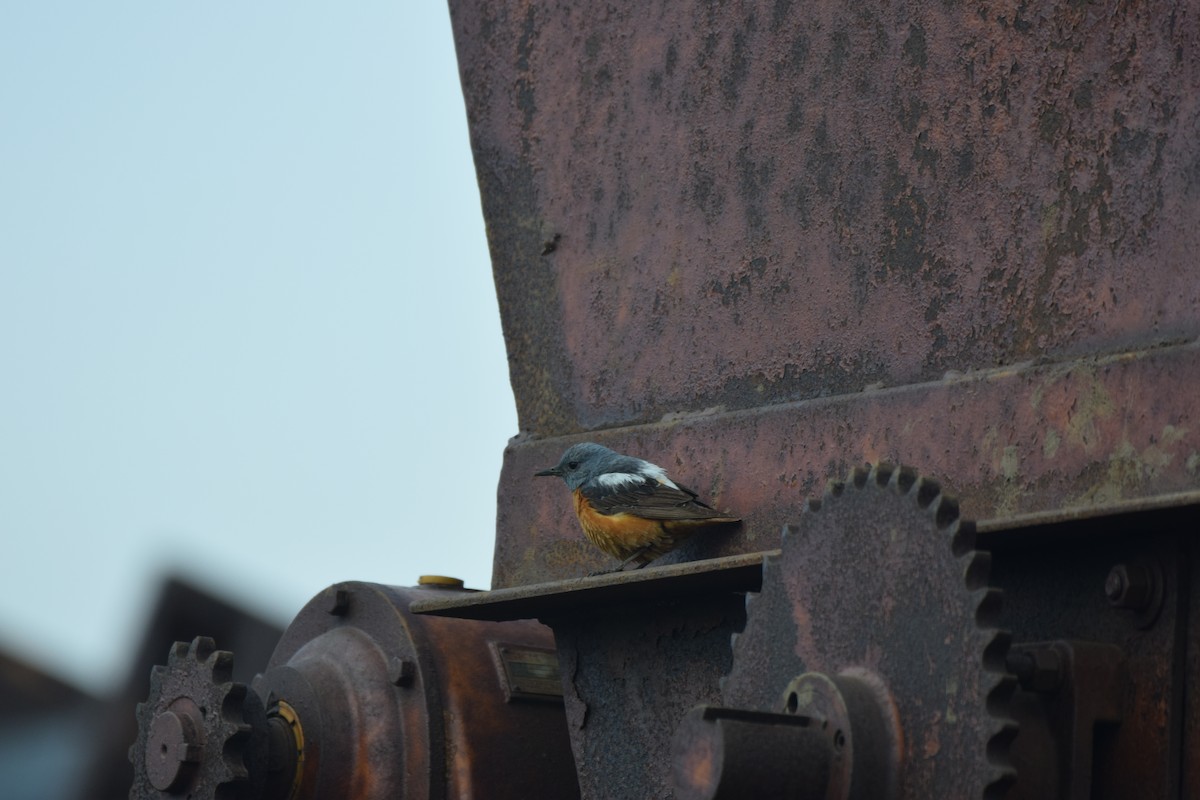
{"x": 839, "y": 740}
{"x": 793, "y": 702}
{"x": 163, "y": 749}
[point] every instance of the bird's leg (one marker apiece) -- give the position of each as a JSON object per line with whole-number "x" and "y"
{"x": 621, "y": 567}
{"x": 633, "y": 557}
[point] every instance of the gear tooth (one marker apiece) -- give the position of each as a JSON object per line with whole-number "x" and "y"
{"x": 235, "y": 764}
{"x": 859, "y": 476}
{"x": 231, "y": 771}
{"x": 904, "y": 478}
{"x": 999, "y": 746}
{"x": 987, "y": 612}
{"x": 979, "y": 568}
{"x": 232, "y": 702}
{"x": 1000, "y": 785}
{"x": 946, "y": 512}
{"x": 882, "y": 473}
{"x": 221, "y": 664}
{"x": 928, "y": 490}
{"x": 178, "y": 652}
{"x": 201, "y": 647}
{"x": 1000, "y": 696}
{"x": 962, "y": 537}
{"x": 995, "y": 652}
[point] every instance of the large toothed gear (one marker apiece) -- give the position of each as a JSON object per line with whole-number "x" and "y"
{"x": 880, "y": 586}
{"x": 194, "y": 730}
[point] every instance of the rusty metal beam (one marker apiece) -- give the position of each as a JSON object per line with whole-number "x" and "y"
{"x": 552, "y": 601}
{"x": 1012, "y": 441}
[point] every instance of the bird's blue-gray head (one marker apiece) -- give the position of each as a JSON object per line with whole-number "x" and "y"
{"x": 587, "y": 460}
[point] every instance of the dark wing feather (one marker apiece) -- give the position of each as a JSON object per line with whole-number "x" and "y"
{"x": 649, "y": 499}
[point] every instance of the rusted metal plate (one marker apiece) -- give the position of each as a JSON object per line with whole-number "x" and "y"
{"x": 637, "y": 650}
{"x": 741, "y": 573}
{"x": 1008, "y": 442}
{"x": 698, "y": 205}
{"x": 631, "y": 672}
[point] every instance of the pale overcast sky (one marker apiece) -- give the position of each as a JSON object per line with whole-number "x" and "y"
{"x": 247, "y": 322}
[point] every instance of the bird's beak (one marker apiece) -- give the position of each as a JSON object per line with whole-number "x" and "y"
{"x": 553, "y": 472}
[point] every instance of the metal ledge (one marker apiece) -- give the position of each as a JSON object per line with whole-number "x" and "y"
{"x": 740, "y": 573}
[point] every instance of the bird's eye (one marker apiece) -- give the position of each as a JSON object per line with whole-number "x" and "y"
{"x": 573, "y": 465}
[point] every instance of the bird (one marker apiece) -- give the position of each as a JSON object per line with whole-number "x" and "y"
{"x": 628, "y": 507}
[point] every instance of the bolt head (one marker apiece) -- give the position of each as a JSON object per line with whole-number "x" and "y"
{"x": 1129, "y": 586}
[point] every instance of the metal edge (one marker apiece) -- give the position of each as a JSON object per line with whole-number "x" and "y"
{"x": 739, "y": 573}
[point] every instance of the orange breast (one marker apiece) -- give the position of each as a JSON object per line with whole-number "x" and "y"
{"x": 621, "y": 535}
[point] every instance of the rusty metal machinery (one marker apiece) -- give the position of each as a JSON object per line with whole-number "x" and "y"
{"x": 362, "y": 701}
{"x": 890, "y": 649}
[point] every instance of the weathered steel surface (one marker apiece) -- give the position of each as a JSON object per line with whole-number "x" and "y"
{"x": 630, "y": 674}
{"x": 1009, "y": 441}
{"x": 697, "y": 205}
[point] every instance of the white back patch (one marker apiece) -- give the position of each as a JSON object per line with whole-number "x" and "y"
{"x": 659, "y": 474}
{"x": 618, "y": 480}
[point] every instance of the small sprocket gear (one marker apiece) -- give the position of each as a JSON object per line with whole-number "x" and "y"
{"x": 195, "y": 729}
{"x": 881, "y": 577}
